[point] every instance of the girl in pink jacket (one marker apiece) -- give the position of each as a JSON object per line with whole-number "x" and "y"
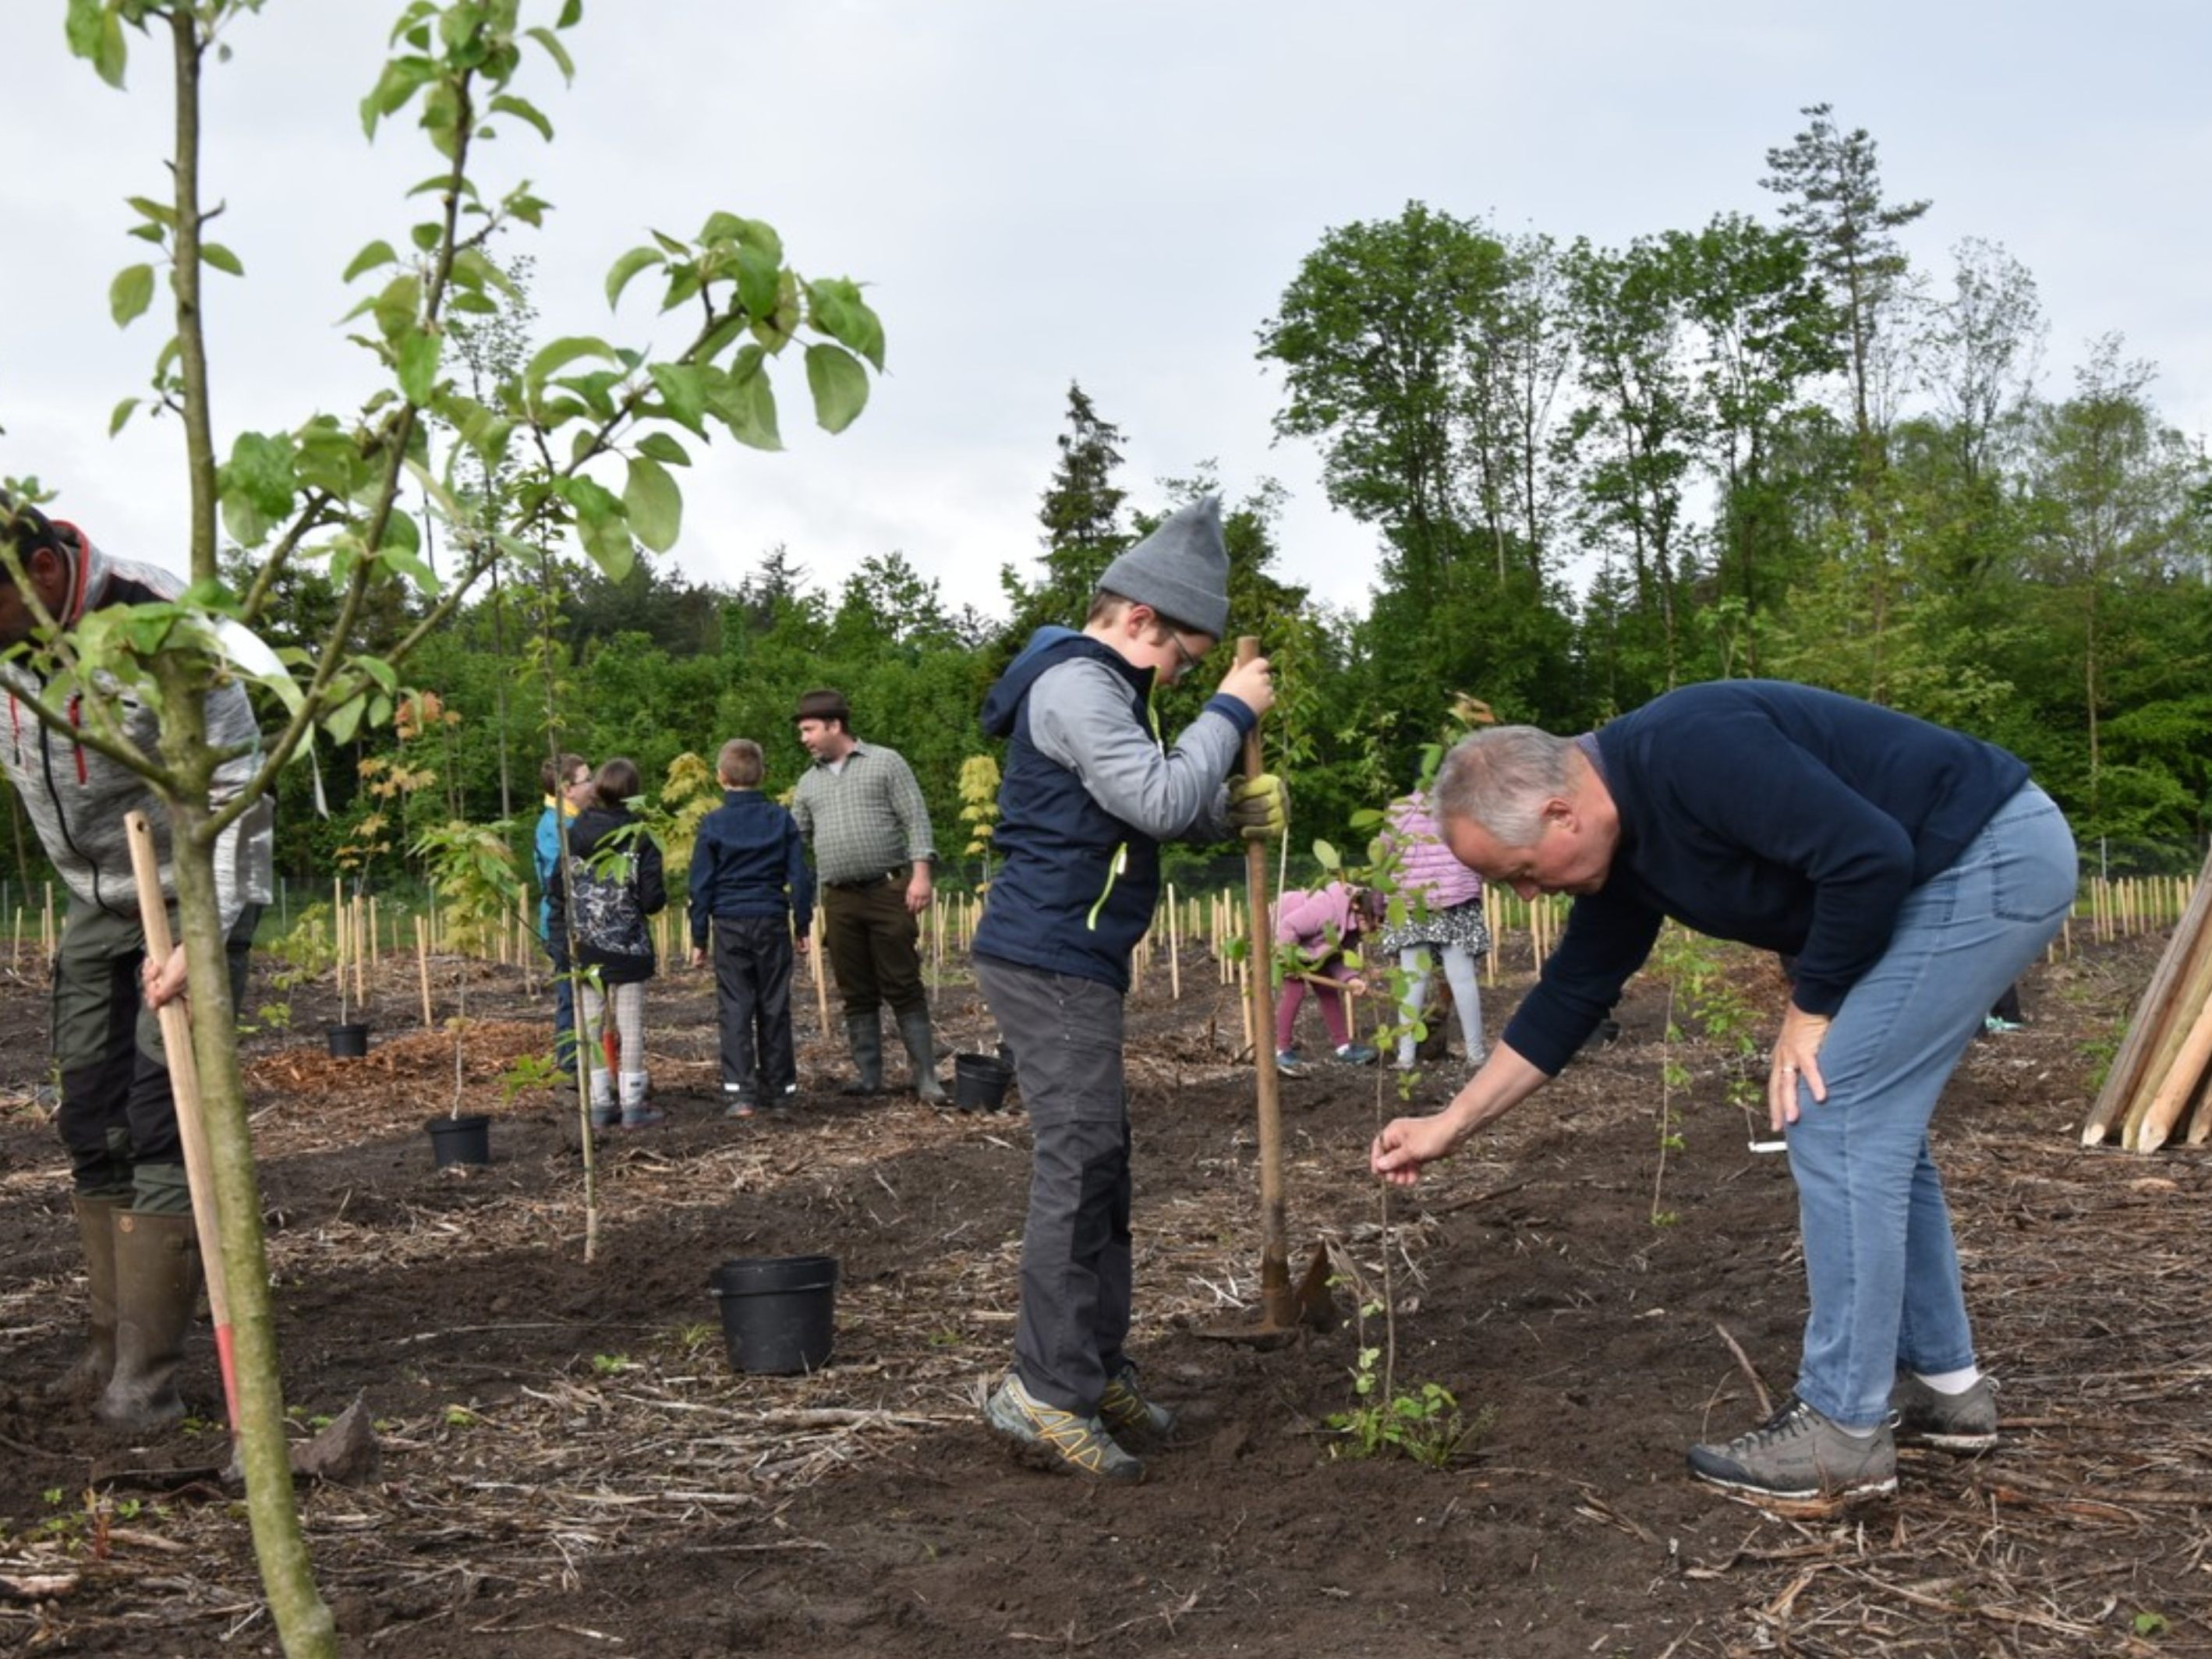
{"x": 1444, "y": 922}
{"x": 1317, "y": 928}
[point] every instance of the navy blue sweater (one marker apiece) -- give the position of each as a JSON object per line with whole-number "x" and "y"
{"x": 749, "y": 860}
{"x": 1772, "y": 814}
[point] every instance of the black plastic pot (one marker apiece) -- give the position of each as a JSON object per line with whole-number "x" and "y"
{"x": 460, "y": 1140}
{"x": 979, "y": 1082}
{"x": 348, "y": 1042}
{"x": 778, "y": 1312}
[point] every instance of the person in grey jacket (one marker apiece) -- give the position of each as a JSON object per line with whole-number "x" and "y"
{"x": 118, "y": 1117}
{"x": 1091, "y": 790}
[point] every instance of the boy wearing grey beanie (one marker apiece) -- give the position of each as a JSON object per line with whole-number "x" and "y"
{"x": 1091, "y": 789}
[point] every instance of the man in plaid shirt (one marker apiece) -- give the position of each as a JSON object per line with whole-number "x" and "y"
{"x": 860, "y": 807}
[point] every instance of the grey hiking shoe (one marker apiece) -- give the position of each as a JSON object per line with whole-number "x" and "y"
{"x": 1079, "y": 1444}
{"x": 1799, "y": 1459}
{"x": 1122, "y": 1406}
{"x": 1963, "y": 1423}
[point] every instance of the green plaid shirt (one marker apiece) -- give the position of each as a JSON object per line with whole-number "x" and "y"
{"x": 864, "y": 817}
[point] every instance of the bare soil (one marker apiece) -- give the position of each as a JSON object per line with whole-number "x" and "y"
{"x": 570, "y": 1465}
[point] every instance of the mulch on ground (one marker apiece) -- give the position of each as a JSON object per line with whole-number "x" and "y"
{"x": 570, "y": 1465}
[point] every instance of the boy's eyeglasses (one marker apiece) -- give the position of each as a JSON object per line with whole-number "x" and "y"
{"x": 1184, "y": 661}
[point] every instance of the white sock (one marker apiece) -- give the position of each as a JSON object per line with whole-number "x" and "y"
{"x": 1951, "y": 1381}
{"x": 1866, "y": 1433}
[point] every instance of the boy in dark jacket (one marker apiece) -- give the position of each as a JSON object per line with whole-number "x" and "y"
{"x": 615, "y": 870}
{"x": 749, "y": 877}
{"x": 1091, "y": 790}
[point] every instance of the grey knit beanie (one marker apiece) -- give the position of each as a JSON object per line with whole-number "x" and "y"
{"x": 1181, "y": 570}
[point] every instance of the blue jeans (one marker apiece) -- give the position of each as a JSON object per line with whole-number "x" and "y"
{"x": 1881, "y": 1269}
{"x": 564, "y": 1012}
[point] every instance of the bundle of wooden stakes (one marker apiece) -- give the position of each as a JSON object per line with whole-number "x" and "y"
{"x": 2159, "y": 1084}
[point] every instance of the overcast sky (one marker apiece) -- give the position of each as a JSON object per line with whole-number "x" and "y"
{"x": 1039, "y": 192}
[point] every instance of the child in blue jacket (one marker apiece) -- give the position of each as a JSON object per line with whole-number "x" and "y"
{"x": 749, "y": 877}
{"x": 1091, "y": 790}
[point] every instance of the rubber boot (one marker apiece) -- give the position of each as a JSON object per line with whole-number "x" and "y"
{"x": 605, "y": 1112}
{"x": 922, "y": 1055}
{"x": 95, "y": 1229}
{"x": 638, "y": 1113}
{"x": 864, "y": 1035}
{"x": 157, "y": 1280}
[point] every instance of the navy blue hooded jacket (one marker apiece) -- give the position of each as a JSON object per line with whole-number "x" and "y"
{"x": 1079, "y": 881}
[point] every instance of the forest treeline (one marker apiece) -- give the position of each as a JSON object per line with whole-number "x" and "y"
{"x": 1763, "y": 446}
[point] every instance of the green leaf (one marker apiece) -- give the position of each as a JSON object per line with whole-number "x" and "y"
{"x": 637, "y": 260}
{"x": 418, "y": 362}
{"x": 123, "y": 413}
{"x": 523, "y": 110}
{"x": 342, "y": 721}
{"x": 774, "y": 330}
{"x": 662, "y": 448}
{"x": 398, "y": 82}
{"x": 1325, "y": 855}
{"x": 760, "y": 281}
{"x": 95, "y": 33}
{"x": 554, "y": 49}
{"x": 601, "y": 526}
{"x": 395, "y": 307}
{"x": 559, "y": 353}
{"x": 839, "y": 385}
{"x": 683, "y": 389}
{"x": 472, "y": 268}
{"x": 835, "y": 307}
{"x": 654, "y": 504}
{"x": 261, "y": 469}
{"x": 376, "y": 254}
{"x": 160, "y": 212}
{"x": 755, "y": 233}
{"x": 216, "y": 254}
{"x": 410, "y": 565}
{"x": 745, "y": 403}
{"x": 130, "y": 292}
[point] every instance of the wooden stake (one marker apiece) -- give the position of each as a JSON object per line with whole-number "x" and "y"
{"x": 2182, "y": 980}
{"x": 2179, "y": 1084}
{"x": 821, "y": 985}
{"x": 1278, "y": 1300}
{"x": 422, "y": 960}
{"x": 1175, "y": 956}
{"x": 185, "y": 1088}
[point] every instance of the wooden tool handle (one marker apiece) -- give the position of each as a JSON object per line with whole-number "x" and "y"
{"x": 185, "y": 1089}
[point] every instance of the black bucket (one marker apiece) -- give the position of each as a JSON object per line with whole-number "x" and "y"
{"x": 778, "y": 1312}
{"x": 979, "y": 1082}
{"x": 460, "y": 1140}
{"x": 348, "y": 1042}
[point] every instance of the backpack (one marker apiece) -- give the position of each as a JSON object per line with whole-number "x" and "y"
{"x": 608, "y": 917}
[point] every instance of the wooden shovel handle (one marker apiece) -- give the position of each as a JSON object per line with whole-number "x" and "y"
{"x": 185, "y": 1089}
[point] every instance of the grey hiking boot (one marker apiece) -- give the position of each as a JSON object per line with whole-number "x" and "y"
{"x": 1079, "y": 1444}
{"x": 1963, "y": 1423}
{"x": 1123, "y": 1408}
{"x": 1797, "y": 1459}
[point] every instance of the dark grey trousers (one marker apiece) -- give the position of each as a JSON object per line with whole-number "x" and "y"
{"x": 752, "y": 993}
{"x": 1065, "y": 1034}
{"x": 118, "y": 1117}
